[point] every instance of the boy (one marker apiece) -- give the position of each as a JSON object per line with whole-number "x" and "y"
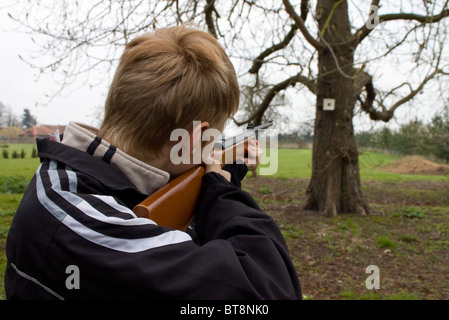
{"x": 74, "y": 235}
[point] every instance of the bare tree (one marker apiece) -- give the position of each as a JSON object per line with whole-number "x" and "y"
{"x": 2, "y": 114}
{"x": 335, "y": 185}
{"x": 330, "y": 48}
{"x": 7, "y": 117}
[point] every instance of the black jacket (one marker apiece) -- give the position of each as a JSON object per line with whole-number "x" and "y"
{"x": 77, "y": 213}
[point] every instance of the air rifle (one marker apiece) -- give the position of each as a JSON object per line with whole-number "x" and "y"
{"x": 173, "y": 205}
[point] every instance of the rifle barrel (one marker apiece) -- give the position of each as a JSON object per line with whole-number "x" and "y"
{"x": 227, "y": 143}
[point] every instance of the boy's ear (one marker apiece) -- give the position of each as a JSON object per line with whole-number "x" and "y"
{"x": 196, "y": 133}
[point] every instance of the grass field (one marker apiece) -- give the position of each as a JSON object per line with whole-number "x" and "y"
{"x": 327, "y": 252}
{"x": 297, "y": 163}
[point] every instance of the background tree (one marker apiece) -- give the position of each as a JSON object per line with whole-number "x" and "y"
{"x": 438, "y": 137}
{"x": 28, "y": 120}
{"x": 412, "y": 138}
{"x": 332, "y": 48}
{"x": 7, "y": 117}
{"x": 2, "y": 114}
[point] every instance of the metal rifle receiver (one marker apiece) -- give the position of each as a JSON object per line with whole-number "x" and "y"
{"x": 249, "y": 133}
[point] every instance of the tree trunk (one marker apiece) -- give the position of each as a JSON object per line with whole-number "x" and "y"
{"x": 335, "y": 184}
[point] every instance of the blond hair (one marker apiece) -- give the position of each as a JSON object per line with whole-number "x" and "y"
{"x": 165, "y": 80}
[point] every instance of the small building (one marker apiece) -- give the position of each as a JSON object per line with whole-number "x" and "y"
{"x": 41, "y": 131}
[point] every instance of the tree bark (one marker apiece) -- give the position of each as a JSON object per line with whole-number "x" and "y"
{"x": 335, "y": 185}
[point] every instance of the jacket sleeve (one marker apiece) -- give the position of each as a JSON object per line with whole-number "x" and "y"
{"x": 238, "y": 172}
{"x": 230, "y": 216}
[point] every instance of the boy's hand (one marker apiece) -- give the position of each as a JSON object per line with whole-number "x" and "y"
{"x": 215, "y": 158}
{"x": 254, "y": 153}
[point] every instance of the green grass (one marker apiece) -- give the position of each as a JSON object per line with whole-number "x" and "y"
{"x": 351, "y": 295}
{"x": 292, "y": 163}
{"x": 25, "y": 167}
{"x": 297, "y": 163}
{"x": 15, "y": 175}
{"x": 385, "y": 242}
{"x": 18, "y": 167}
{"x": 8, "y": 206}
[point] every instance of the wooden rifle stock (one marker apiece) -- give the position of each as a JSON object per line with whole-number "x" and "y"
{"x": 173, "y": 205}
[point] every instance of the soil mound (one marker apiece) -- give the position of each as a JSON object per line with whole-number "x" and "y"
{"x": 416, "y": 165}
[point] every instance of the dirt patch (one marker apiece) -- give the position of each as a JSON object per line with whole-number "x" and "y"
{"x": 408, "y": 242}
{"x": 416, "y": 165}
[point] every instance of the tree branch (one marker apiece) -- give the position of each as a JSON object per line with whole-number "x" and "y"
{"x": 361, "y": 79}
{"x": 301, "y": 26}
{"x": 208, "y": 11}
{"x": 276, "y": 47}
{"x": 265, "y": 104}
{"x": 386, "y": 114}
{"x": 364, "y": 31}
{"x": 304, "y": 9}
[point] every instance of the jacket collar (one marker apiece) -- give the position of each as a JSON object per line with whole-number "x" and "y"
{"x": 146, "y": 178}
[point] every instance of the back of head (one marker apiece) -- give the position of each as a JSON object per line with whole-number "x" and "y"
{"x": 165, "y": 80}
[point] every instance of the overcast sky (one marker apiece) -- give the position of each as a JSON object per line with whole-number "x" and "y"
{"x": 20, "y": 87}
